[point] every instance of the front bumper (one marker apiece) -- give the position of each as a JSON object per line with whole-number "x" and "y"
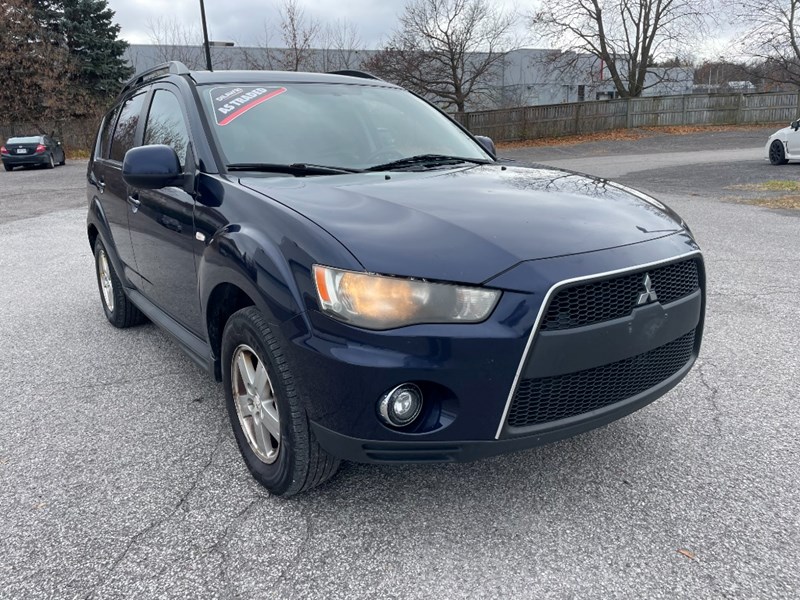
{"x": 470, "y": 375}
{"x": 424, "y": 451}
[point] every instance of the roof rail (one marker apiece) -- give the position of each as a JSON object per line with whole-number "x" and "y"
{"x": 172, "y": 67}
{"x": 351, "y": 73}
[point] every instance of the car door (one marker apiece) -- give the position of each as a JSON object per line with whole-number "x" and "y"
{"x": 106, "y": 171}
{"x": 793, "y": 141}
{"x": 58, "y": 151}
{"x": 162, "y": 223}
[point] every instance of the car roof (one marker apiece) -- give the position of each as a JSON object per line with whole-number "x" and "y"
{"x": 206, "y": 77}
{"x": 200, "y": 77}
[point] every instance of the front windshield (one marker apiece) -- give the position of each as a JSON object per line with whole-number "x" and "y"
{"x": 348, "y": 126}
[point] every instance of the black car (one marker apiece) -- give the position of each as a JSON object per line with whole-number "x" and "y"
{"x": 31, "y": 151}
{"x": 370, "y": 282}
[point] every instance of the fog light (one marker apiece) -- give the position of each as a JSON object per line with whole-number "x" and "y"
{"x": 401, "y": 406}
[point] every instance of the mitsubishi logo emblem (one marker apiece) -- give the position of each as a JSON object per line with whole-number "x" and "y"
{"x": 649, "y": 294}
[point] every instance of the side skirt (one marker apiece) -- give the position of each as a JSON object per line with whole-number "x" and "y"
{"x": 198, "y": 350}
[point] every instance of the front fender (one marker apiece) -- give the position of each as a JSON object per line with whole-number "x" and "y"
{"x": 244, "y": 257}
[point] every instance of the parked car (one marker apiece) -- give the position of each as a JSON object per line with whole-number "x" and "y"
{"x": 370, "y": 282}
{"x": 32, "y": 150}
{"x": 784, "y": 145}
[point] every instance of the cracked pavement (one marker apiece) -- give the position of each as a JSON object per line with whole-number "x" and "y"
{"x": 120, "y": 478}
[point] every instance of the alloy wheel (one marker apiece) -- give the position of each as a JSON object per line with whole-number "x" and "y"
{"x": 106, "y": 285}
{"x": 256, "y": 405}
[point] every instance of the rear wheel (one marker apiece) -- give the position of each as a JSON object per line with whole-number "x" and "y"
{"x": 777, "y": 155}
{"x": 50, "y": 162}
{"x": 268, "y": 419}
{"x": 8, "y": 167}
{"x": 120, "y": 311}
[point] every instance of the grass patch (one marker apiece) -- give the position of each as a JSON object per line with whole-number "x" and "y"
{"x": 626, "y": 135}
{"x": 773, "y": 185}
{"x": 790, "y": 201}
{"x": 77, "y": 154}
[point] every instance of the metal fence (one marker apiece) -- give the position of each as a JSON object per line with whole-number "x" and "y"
{"x": 554, "y": 120}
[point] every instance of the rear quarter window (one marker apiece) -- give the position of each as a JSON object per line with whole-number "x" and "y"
{"x": 104, "y": 137}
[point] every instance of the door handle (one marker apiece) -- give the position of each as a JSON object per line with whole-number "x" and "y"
{"x": 133, "y": 200}
{"x": 100, "y": 184}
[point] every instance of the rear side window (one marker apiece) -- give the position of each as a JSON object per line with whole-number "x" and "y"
{"x": 123, "y": 138}
{"x": 165, "y": 124}
{"x": 105, "y": 134}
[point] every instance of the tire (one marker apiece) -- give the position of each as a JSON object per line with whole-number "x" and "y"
{"x": 120, "y": 311}
{"x": 294, "y": 462}
{"x": 51, "y": 163}
{"x": 63, "y": 161}
{"x": 8, "y": 167}
{"x": 777, "y": 155}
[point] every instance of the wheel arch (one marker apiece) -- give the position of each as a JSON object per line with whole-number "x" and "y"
{"x": 241, "y": 267}
{"x": 224, "y": 300}
{"x": 97, "y": 229}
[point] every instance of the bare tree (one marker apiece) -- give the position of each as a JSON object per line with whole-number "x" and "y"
{"x": 35, "y": 72}
{"x": 176, "y": 40}
{"x": 299, "y": 33}
{"x": 261, "y": 56}
{"x": 624, "y": 36}
{"x": 449, "y": 50}
{"x": 341, "y": 46}
{"x": 771, "y": 39}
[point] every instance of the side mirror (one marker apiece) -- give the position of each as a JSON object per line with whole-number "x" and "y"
{"x": 487, "y": 144}
{"x": 152, "y": 167}
{"x": 795, "y": 124}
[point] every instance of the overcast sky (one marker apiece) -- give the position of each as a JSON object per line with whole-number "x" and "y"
{"x": 243, "y": 20}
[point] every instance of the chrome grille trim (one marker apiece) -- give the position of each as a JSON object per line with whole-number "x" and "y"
{"x": 545, "y": 304}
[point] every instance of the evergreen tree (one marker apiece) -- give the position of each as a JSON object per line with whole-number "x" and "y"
{"x": 87, "y": 30}
{"x": 93, "y": 41}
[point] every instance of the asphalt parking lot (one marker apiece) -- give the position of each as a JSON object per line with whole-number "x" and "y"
{"x": 120, "y": 478}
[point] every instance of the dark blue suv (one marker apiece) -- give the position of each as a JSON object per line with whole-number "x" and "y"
{"x": 370, "y": 282}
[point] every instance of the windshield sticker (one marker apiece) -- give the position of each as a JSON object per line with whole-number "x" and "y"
{"x": 232, "y": 102}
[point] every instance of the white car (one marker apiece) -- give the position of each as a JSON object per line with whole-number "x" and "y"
{"x": 784, "y": 145}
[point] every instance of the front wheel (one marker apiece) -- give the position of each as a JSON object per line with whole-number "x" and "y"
{"x": 777, "y": 155}
{"x": 268, "y": 419}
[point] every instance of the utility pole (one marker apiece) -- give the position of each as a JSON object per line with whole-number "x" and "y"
{"x": 205, "y": 36}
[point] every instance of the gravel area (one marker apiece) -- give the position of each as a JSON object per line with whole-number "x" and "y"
{"x": 120, "y": 478}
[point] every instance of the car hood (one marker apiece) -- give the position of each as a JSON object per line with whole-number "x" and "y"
{"x": 468, "y": 224}
{"x": 781, "y": 133}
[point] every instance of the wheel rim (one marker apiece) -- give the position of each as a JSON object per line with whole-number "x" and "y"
{"x": 52, "y": 164}
{"x": 775, "y": 152}
{"x": 256, "y": 404}
{"x": 106, "y": 285}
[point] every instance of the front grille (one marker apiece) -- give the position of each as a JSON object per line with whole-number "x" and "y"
{"x": 552, "y": 398}
{"x": 607, "y": 299}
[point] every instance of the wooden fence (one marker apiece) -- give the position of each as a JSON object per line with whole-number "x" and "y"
{"x": 554, "y": 120}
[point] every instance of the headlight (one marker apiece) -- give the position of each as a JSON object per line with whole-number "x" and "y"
{"x": 379, "y": 302}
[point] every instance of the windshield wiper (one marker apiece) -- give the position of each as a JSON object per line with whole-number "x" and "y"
{"x": 296, "y": 169}
{"x": 427, "y": 160}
